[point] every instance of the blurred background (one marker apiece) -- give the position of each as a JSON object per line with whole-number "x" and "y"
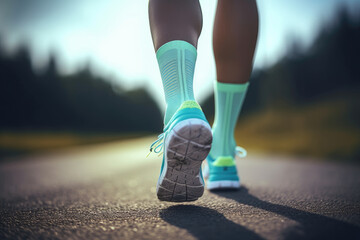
{"x": 85, "y": 72}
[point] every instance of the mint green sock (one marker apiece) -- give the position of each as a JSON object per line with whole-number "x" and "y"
{"x": 228, "y": 102}
{"x": 176, "y": 61}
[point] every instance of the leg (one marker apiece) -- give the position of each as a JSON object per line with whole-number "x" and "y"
{"x": 171, "y": 21}
{"x": 175, "y": 20}
{"x": 175, "y": 27}
{"x": 234, "y": 41}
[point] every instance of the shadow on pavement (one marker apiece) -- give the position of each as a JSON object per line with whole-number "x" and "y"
{"x": 312, "y": 226}
{"x": 205, "y": 223}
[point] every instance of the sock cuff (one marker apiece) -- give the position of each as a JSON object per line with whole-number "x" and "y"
{"x": 231, "y": 87}
{"x": 178, "y": 44}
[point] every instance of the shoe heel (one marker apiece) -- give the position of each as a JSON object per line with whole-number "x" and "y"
{"x": 190, "y": 138}
{"x": 187, "y": 145}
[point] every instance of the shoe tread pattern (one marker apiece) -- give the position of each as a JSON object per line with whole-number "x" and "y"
{"x": 189, "y": 144}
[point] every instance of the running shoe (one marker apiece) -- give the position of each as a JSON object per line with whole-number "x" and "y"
{"x": 186, "y": 141}
{"x": 221, "y": 173}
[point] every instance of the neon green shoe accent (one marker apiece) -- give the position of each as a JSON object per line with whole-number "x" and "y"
{"x": 227, "y": 161}
{"x": 189, "y": 104}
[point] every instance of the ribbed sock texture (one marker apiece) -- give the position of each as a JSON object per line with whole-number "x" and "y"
{"x": 176, "y": 61}
{"x": 229, "y": 99}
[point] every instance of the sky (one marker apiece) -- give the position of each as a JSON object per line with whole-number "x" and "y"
{"x": 113, "y": 36}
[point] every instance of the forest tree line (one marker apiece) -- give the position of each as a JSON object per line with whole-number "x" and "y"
{"x": 84, "y": 102}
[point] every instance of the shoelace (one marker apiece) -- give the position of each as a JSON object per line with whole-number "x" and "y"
{"x": 240, "y": 152}
{"x": 157, "y": 145}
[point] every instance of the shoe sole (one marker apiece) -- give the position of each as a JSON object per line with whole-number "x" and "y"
{"x": 224, "y": 184}
{"x": 186, "y": 146}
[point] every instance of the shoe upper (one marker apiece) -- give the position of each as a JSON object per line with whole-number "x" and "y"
{"x": 222, "y": 168}
{"x": 188, "y": 109}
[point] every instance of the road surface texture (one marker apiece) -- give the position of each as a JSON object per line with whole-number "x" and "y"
{"x": 108, "y": 192}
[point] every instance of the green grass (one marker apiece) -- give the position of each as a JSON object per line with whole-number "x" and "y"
{"x": 328, "y": 129}
{"x": 25, "y": 142}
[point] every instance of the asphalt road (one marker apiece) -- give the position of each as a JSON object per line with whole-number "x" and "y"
{"x": 108, "y": 192}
